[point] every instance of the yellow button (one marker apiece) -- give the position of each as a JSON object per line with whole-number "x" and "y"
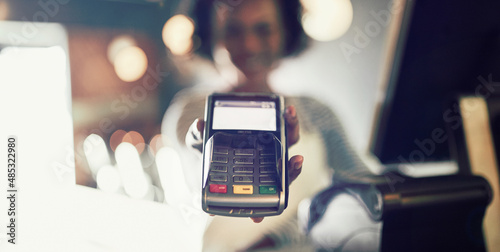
{"x": 242, "y": 189}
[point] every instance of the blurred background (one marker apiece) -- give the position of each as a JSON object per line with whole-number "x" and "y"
{"x": 128, "y": 58}
{"x": 94, "y": 78}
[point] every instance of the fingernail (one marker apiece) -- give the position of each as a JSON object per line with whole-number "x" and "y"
{"x": 290, "y": 110}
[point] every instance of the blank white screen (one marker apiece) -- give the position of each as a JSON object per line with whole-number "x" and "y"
{"x": 244, "y": 115}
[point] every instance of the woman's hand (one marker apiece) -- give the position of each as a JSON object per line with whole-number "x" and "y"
{"x": 292, "y": 125}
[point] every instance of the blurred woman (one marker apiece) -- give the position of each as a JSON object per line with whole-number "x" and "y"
{"x": 257, "y": 34}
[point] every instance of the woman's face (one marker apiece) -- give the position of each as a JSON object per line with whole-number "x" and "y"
{"x": 252, "y": 34}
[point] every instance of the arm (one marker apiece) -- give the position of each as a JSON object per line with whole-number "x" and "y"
{"x": 341, "y": 157}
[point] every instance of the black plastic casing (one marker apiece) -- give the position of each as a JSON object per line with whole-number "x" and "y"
{"x": 254, "y": 205}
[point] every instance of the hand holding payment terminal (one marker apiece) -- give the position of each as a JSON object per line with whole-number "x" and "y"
{"x": 244, "y": 155}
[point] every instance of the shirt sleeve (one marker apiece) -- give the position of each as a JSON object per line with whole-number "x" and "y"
{"x": 341, "y": 157}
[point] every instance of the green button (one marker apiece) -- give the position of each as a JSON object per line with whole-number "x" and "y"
{"x": 267, "y": 189}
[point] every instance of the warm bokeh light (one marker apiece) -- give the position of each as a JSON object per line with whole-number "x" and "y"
{"x": 225, "y": 66}
{"x": 155, "y": 144}
{"x": 136, "y": 139}
{"x": 134, "y": 180}
{"x": 96, "y": 153}
{"x": 326, "y": 20}
{"x": 147, "y": 157}
{"x": 116, "y": 138}
{"x": 171, "y": 175}
{"x": 119, "y": 43}
{"x": 4, "y": 10}
{"x": 177, "y": 34}
{"x": 108, "y": 179}
{"x": 130, "y": 63}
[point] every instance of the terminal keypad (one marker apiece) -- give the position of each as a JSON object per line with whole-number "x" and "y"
{"x": 243, "y": 171}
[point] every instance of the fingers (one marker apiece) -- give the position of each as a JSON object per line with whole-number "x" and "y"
{"x": 200, "y": 126}
{"x": 194, "y": 136}
{"x": 292, "y": 125}
{"x": 257, "y": 219}
{"x": 295, "y": 167}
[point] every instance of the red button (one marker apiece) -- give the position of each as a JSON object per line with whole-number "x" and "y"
{"x": 214, "y": 188}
